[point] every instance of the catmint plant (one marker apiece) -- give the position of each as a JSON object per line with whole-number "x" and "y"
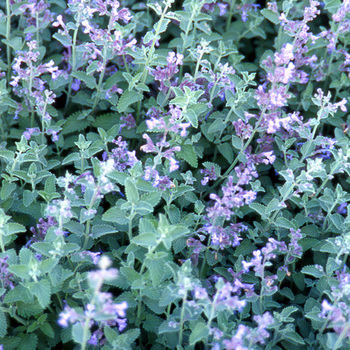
{"x": 174, "y": 174}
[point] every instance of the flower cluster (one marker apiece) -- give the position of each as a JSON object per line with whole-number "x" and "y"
{"x": 165, "y": 75}
{"x": 101, "y": 309}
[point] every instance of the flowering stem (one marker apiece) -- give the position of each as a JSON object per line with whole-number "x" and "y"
{"x": 8, "y": 48}
{"x": 197, "y": 66}
{"x": 227, "y": 172}
{"x": 327, "y": 216}
{"x": 182, "y": 317}
{"x": 37, "y": 27}
{"x": 2, "y": 244}
{"x": 74, "y": 58}
{"x": 233, "y": 2}
{"x": 150, "y": 57}
{"x": 186, "y": 35}
{"x": 86, "y": 333}
{"x": 341, "y": 336}
{"x": 88, "y": 222}
{"x": 43, "y": 124}
{"x": 97, "y": 97}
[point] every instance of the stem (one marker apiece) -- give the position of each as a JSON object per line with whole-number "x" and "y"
{"x": 88, "y": 222}
{"x": 97, "y": 98}
{"x": 2, "y": 244}
{"x": 43, "y": 124}
{"x": 182, "y": 317}
{"x": 218, "y": 181}
{"x": 85, "y": 334}
{"x": 149, "y": 59}
{"x": 230, "y": 15}
{"x": 186, "y": 35}
{"x": 37, "y": 27}
{"x": 74, "y": 58}
{"x": 341, "y": 336}
{"x": 8, "y": 31}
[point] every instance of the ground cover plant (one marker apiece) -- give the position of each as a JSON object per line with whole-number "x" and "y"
{"x": 174, "y": 174}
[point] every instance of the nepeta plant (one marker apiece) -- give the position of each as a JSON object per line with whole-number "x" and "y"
{"x": 174, "y": 175}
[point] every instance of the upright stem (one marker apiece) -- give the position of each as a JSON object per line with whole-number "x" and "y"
{"x": 74, "y": 59}
{"x": 233, "y": 2}
{"x": 218, "y": 181}
{"x": 97, "y": 98}
{"x": 86, "y": 333}
{"x": 8, "y": 48}
{"x": 182, "y": 318}
{"x": 149, "y": 59}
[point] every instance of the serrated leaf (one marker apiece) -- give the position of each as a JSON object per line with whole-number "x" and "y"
{"x": 127, "y": 99}
{"x": 115, "y": 215}
{"x": 42, "y": 290}
{"x": 131, "y": 191}
{"x": 145, "y": 240}
{"x": 106, "y": 121}
{"x": 293, "y": 337}
{"x": 28, "y": 197}
{"x": 259, "y": 208}
{"x": 313, "y": 271}
{"x": 169, "y": 326}
{"x": 6, "y": 189}
{"x": 89, "y": 80}
{"x": 189, "y": 155}
{"x": 283, "y": 222}
{"x": 100, "y": 230}
{"x": 3, "y": 324}
{"x": 78, "y": 333}
{"x": 270, "y": 15}
{"x": 199, "y": 333}
{"x": 192, "y": 117}
{"x": 76, "y": 122}
{"x": 21, "y": 271}
{"x": 28, "y": 342}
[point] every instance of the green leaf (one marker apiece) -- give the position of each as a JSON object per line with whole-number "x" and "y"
{"x": 145, "y": 240}
{"x": 28, "y": 342}
{"x": 78, "y": 333}
{"x": 259, "y": 208}
{"x": 155, "y": 265}
{"x": 3, "y": 324}
{"x": 189, "y": 155}
{"x": 42, "y": 290}
{"x": 13, "y": 228}
{"x": 283, "y": 222}
{"x": 127, "y": 99}
{"x": 169, "y": 326}
{"x": 270, "y": 15}
{"x": 313, "y": 271}
{"x": 143, "y": 208}
{"x": 131, "y": 191}
{"x": 89, "y": 80}
{"x": 28, "y": 197}
{"x": 192, "y": 117}
{"x": 293, "y": 337}
{"x": 152, "y": 198}
{"x": 199, "y": 333}
{"x": 226, "y": 150}
{"x": 21, "y": 271}
{"x": 100, "y": 230}
{"x": 6, "y": 189}
{"x": 115, "y": 215}
{"x": 66, "y": 42}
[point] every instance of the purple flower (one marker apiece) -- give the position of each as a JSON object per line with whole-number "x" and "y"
{"x": 6, "y": 277}
{"x": 149, "y": 147}
{"x": 30, "y": 131}
{"x": 342, "y": 208}
{"x": 68, "y": 315}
